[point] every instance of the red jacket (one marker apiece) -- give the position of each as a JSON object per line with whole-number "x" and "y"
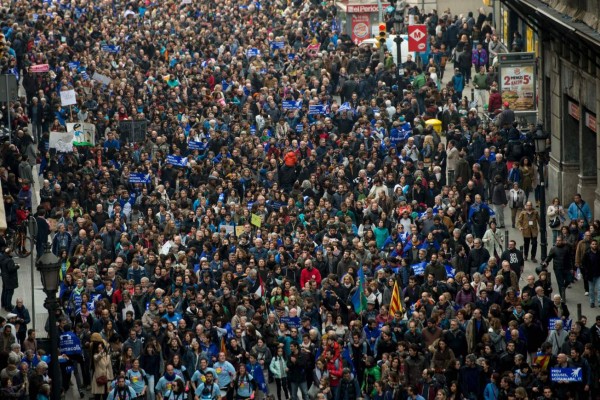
{"x": 495, "y": 103}
{"x": 307, "y": 275}
{"x": 335, "y": 369}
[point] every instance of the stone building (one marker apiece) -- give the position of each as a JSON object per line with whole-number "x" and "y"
{"x": 565, "y": 36}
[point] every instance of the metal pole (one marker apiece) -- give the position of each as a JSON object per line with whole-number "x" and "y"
{"x": 380, "y": 10}
{"x": 8, "y": 108}
{"x": 578, "y": 311}
{"x": 32, "y": 233}
{"x": 543, "y": 232}
{"x": 52, "y": 304}
{"x": 505, "y": 239}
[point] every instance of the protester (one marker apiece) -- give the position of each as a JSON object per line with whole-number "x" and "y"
{"x": 225, "y": 220}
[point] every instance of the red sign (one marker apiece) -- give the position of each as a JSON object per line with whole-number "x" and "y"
{"x": 574, "y": 110}
{"x": 361, "y": 27}
{"x": 590, "y": 121}
{"x": 417, "y": 38}
{"x": 39, "y": 68}
{"x": 364, "y": 8}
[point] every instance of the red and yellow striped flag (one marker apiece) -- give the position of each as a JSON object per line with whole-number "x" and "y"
{"x": 396, "y": 302}
{"x": 223, "y": 346}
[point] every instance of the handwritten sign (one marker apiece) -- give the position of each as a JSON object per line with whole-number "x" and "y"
{"x": 68, "y": 98}
{"x": 105, "y": 80}
{"x": 62, "y": 142}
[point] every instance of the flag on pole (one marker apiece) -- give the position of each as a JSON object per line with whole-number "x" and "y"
{"x": 396, "y": 303}
{"x": 359, "y": 300}
{"x": 223, "y": 346}
{"x": 260, "y": 292}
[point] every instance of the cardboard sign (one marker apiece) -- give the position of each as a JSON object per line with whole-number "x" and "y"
{"x": 105, "y": 80}
{"x": 256, "y": 220}
{"x": 84, "y": 133}
{"x": 62, "y": 142}
{"x": 68, "y": 98}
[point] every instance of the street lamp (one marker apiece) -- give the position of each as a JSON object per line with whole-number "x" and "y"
{"x": 539, "y": 140}
{"x": 49, "y": 267}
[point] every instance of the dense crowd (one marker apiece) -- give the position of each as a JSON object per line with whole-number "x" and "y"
{"x": 288, "y": 224}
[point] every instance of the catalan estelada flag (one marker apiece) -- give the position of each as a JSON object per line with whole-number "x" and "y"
{"x": 396, "y": 302}
{"x": 223, "y": 346}
{"x": 543, "y": 360}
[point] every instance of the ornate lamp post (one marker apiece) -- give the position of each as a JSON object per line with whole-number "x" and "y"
{"x": 49, "y": 267}
{"x": 540, "y": 149}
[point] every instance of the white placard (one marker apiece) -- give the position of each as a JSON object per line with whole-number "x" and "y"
{"x": 61, "y": 141}
{"x": 102, "y": 78}
{"x": 67, "y": 98}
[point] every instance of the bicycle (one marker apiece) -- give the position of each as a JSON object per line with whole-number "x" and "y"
{"x": 18, "y": 241}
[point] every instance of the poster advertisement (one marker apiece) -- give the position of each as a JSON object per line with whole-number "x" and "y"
{"x": 517, "y": 81}
{"x": 361, "y": 26}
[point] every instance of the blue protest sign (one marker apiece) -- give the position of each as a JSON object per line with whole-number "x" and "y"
{"x": 419, "y": 269}
{"x": 316, "y": 109}
{"x": 450, "y": 271}
{"x": 566, "y": 374}
{"x": 111, "y": 48}
{"x": 138, "y": 177}
{"x": 292, "y": 105}
{"x": 291, "y": 57}
{"x": 69, "y": 344}
{"x": 177, "y": 161}
{"x": 293, "y": 322}
{"x": 196, "y": 145}
{"x": 299, "y": 128}
{"x": 253, "y": 130}
{"x": 277, "y": 45}
{"x": 74, "y": 64}
{"x": 566, "y": 324}
{"x": 253, "y": 52}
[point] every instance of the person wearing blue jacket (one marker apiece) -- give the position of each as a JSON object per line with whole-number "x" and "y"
{"x": 491, "y": 390}
{"x": 579, "y": 209}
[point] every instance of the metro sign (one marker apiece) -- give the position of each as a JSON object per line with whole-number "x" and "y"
{"x": 417, "y": 38}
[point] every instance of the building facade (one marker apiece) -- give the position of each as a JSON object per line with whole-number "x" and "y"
{"x": 565, "y": 36}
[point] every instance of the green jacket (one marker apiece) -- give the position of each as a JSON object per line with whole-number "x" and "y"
{"x": 480, "y": 81}
{"x": 372, "y": 375}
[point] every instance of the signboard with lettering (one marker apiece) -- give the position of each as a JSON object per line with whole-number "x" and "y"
{"x": 361, "y": 26}
{"x": 566, "y": 324}
{"x": 517, "y": 81}
{"x": 417, "y": 38}
{"x": 566, "y": 374}
{"x": 574, "y": 110}
{"x": 590, "y": 121}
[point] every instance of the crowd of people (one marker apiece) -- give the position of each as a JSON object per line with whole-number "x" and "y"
{"x": 287, "y": 225}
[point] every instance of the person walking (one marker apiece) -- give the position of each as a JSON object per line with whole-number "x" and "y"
{"x": 499, "y": 200}
{"x": 591, "y": 264}
{"x": 516, "y": 202}
{"x": 556, "y": 217}
{"x": 561, "y": 254}
{"x": 10, "y": 279}
{"x": 529, "y": 225}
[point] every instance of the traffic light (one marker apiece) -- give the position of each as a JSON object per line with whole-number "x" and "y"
{"x": 382, "y": 33}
